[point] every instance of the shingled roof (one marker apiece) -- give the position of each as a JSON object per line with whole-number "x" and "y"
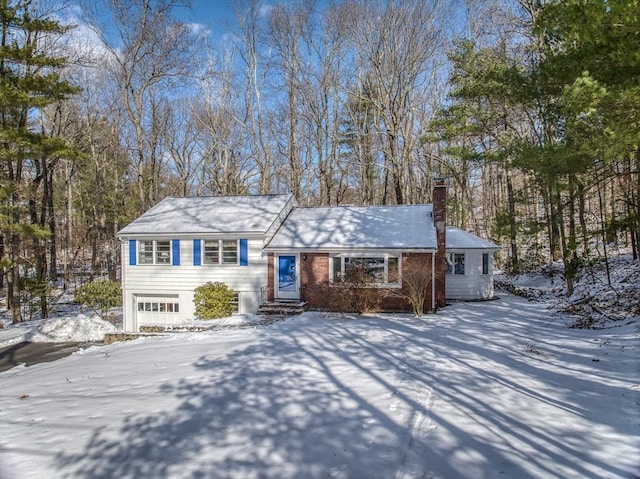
{"x": 209, "y": 214}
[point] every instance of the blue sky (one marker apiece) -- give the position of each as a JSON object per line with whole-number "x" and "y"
{"x": 215, "y": 14}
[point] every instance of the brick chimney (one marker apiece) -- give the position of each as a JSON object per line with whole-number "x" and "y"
{"x": 440, "y": 222}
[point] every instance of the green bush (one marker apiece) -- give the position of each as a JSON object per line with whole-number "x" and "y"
{"x": 100, "y": 295}
{"x": 213, "y": 300}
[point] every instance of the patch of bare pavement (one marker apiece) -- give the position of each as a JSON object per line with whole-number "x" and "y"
{"x": 34, "y": 353}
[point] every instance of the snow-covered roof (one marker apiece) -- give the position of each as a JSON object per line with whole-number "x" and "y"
{"x": 209, "y": 214}
{"x": 357, "y": 227}
{"x": 460, "y": 239}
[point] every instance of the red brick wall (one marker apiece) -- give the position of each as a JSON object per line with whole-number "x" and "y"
{"x": 440, "y": 222}
{"x": 270, "y": 276}
{"x": 423, "y": 262}
{"x": 315, "y": 289}
{"x": 314, "y": 274}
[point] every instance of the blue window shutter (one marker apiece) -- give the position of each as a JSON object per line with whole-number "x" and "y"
{"x": 196, "y": 253}
{"x": 175, "y": 249}
{"x": 132, "y": 252}
{"x": 244, "y": 253}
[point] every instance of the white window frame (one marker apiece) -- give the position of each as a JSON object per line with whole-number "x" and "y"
{"x": 155, "y": 253}
{"x": 235, "y": 302}
{"x": 452, "y": 264}
{"x": 486, "y": 256}
{"x": 158, "y": 306}
{"x": 383, "y": 256}
{"x": 220, "y": 261}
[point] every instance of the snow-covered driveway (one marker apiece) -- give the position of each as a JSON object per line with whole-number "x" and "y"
{"x": 479, "y": 390}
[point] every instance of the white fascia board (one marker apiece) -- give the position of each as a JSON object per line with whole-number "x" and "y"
{"x": 464, "y": 250}
{"x": 351, "y": 251}
{"x": 189, "y": 236}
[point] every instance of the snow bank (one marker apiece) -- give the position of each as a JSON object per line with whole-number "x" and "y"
{"x": 600, "y": 299}
{"x": 79, "y": 329}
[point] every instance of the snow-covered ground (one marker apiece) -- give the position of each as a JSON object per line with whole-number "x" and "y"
{"x": 599, "y": 299}
{"x": 79, "y": 327}
{"x": 480, "y": 390}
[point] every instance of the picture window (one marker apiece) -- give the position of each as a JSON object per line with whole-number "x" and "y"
{"x": 377, "y": 270}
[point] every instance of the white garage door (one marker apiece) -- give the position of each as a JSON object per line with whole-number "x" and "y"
{"x": 157, "y": 310}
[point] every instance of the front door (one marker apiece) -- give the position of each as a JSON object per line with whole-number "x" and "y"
{"x": 287, "y": 277}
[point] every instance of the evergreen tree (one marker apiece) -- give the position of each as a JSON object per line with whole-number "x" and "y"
{"x": 30, "y": 80}
{"x": 592, "y": 61}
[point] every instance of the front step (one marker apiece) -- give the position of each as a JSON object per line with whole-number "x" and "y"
{"x": 289, "y": 308}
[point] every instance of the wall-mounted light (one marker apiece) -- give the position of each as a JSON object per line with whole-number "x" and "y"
{"x": 304, "y": 256}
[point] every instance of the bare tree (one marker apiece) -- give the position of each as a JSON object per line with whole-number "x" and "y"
{"x": 250, "y": 34}
{"x": 288, "y": 24}
{"x": 322, "y": 102}
{"x": 396, "y": 43}
{"x": 226, "y": 168}
{"x": 183, "y": 141}
{"x": 152, "y": 55}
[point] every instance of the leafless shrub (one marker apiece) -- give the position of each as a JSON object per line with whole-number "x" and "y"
{"x": 416, "y": 281}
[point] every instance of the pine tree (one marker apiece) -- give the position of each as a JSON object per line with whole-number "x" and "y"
{"x": 30, "y": 80}
{"x": 593, "y": 61}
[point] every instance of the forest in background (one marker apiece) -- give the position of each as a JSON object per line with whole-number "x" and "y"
{"x": 530, "y": 110}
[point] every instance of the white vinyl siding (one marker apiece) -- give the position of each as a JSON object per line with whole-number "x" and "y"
{"x": 474, "y": 284}
{"x": 165, "y": 280}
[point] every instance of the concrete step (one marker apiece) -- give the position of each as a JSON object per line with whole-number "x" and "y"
{"x": 282, "y": 308}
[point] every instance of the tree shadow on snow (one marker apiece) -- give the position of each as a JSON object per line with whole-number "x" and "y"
{"x": 353, "y": 399}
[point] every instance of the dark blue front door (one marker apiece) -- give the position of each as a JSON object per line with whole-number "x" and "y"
{"x": 287, "y": 277}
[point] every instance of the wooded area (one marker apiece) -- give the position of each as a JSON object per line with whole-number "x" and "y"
{"x": 529, "y": 108}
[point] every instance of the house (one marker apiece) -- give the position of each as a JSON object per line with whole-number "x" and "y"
{"x": 266, "y": 248}
{"x": 182, "y": 243}
{"x": 469, "y": 269}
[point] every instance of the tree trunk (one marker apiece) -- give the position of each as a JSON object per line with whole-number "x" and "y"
{"x": 583, "y": 221}
{"x": 635, "y": 216}
{"x": 53, "y": 243}
{"x": 13, "y": 278}
{"x": 513, "y": 230}
{"x": 603, "y": 226}
{"x": 568, "y": 259}
{"x": 555, "y": 248}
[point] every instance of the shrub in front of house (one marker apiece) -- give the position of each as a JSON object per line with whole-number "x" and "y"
{"x": 354, "y": 294}
{"x": 100, "y": 295}
{"x": 213, "y": 300}
{"x": 416, "y": 281}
